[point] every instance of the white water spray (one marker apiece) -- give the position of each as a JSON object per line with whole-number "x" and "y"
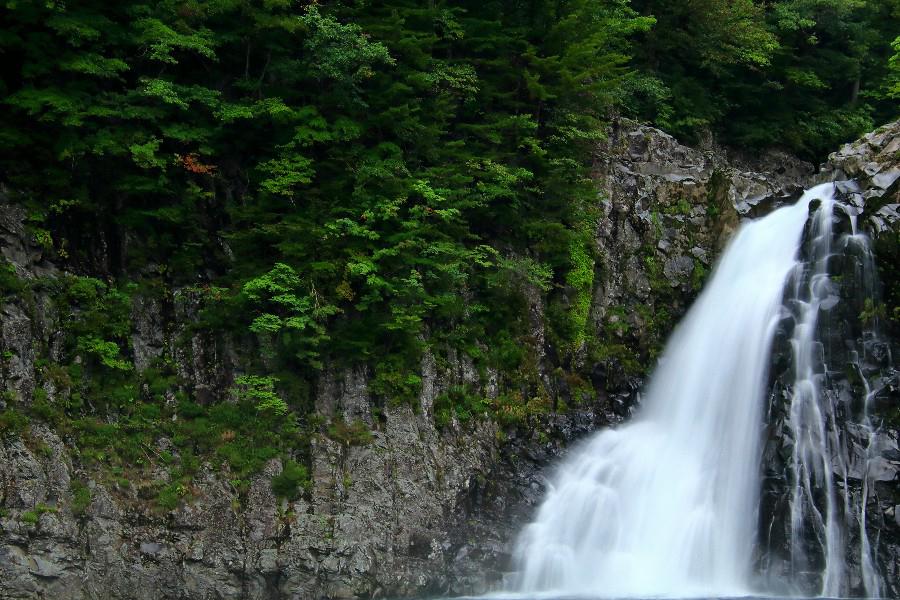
{"x": 823, "y": 513}
{"x": 666, "y": 505}
{"x": 812, "y": 426}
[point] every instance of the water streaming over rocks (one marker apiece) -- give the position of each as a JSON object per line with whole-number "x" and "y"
{"x": 667, "y": 504}
{"x": 828, "y": 520}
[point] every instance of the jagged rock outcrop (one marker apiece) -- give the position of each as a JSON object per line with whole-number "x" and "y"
{"x": 420, "y": 509}
{"x": 872, "y": 164}
{"x": 666, "y": 212}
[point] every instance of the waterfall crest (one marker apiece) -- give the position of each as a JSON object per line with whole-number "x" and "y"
{"x": 667, "y": 504}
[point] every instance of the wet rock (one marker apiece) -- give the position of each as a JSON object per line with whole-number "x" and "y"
{"x": 148, "y": 337}
{"x": 347, "y": 394}
{"x": 207, "y": 361}
{"x": 678, "y": 270}
{"x": 150, "y": 549}
{"x": 871, "y": 163}
{"x": 16, "y": 345}
{"x": 859, "y": 382}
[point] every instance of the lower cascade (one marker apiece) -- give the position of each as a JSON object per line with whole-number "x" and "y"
{"x": 668, "y": 504}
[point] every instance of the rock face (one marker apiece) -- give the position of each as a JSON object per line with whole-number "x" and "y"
{"x": 859, "y": 394}
{"x": 667, "y": 211}
{"x": 420, "y": 510}
{"x": 873, "y": 167}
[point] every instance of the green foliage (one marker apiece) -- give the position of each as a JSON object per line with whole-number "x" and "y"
{"x": 506, "y": 353}
{"x": 461, "y": 403}
{"x": 892, "y": 86}
{"x": 802, "y": 74}
{"x": 871, "y": 312}
{"x": 261, "y": 392}
{"x": 81, "y": 497}
{"x": 396, "y": 381}
{"x": 581, "y": 276}
{"x": 681, "y": 207}
{"x": 508, "y": 409}
{"x": 282, "y": 306}
{"x": 698, "y": 275}
{"x": 32, "y": 517}
{"x": 616, "y": 355}
{"x": 293, "y": 478}
{"x": 10, "y": 284}
{"x": 513, "y": 409}
{"x": 13, "y": 422}
{"x": 92, "y": 366}
{"x": 170, "y": 495}
{"x": 356, "y": 433}
{"x": 393, "y": 158}
{"x": 236, "y": 435}
{"x": 106, "y": 352}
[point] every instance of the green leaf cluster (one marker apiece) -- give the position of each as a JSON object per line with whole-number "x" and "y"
{"x": 291, "y": 481}
{"x": 261, "y": 392}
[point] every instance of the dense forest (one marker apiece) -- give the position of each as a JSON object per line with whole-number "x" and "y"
{"x": 342, "y": 183}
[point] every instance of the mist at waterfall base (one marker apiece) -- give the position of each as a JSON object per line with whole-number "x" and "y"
{"x": 667, "y": 504}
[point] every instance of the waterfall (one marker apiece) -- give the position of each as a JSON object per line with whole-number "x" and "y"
{"x": 667, "y": 504}
{"x": 823, "y": 513}
{"x": 811, "y": 421}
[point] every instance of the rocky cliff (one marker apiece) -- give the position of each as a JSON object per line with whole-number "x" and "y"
{"x": 414, "y": 506}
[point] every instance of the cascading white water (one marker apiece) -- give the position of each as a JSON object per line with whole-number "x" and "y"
{"x": 666, "y": 505}
{"x": 812, "y": 459}
{"x": 821, "y": 463}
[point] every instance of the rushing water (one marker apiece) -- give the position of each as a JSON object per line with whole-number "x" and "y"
{"x": 820, "y": 462}
{"x": 666, "y": 505}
